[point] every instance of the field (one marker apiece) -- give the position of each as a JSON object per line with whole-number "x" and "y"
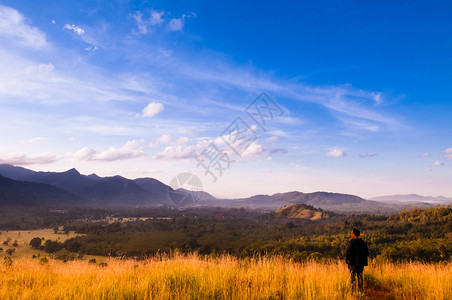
{"x": 23, "y": 238}
{"x": 222, "y": 277}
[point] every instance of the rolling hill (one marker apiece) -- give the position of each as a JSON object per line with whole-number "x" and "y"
{"x": 300, "y": 211}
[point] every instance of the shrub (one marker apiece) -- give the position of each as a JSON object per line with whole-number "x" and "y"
{"x": 7, "y": 261}
{"x": 43, "y": 260}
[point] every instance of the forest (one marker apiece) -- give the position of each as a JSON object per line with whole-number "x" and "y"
{"x": 412, "y": 235}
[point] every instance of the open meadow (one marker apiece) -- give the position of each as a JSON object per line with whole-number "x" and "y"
{"x": 19, "y": 240}
{"x": 222, "y": 277}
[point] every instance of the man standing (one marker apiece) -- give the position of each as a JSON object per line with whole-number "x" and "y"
{"x": 356, "y": 258}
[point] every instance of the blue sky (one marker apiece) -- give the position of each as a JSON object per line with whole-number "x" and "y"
{"x": 141, "y": 88}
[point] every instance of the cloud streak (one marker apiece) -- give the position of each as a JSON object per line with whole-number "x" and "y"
{"x": 13, "y": 25}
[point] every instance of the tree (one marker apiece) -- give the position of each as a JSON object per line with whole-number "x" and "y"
{"x": 52, "y": 246}
{"x": 35, "y": 243}
{"x": 10, "y": 251}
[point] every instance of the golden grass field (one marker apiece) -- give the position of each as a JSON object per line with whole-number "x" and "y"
{"x": 223, "y": 277}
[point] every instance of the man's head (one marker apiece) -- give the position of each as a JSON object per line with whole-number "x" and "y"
{"x": 355, "y": 233}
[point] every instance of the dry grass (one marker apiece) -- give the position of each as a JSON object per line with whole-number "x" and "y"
{"x": 225, "y": 277}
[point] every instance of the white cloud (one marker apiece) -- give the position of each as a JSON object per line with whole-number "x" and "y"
{"x": 37, "y": 140}
{"x": 26, "y": 159}
{"x": 182, "y": 152}
{"x": 176, "y": 24}
{"x": 152, "y": 109}
{"x": 336, "y": 153}
{"x": 448, "y": 153}
{"x": 253, "y": 150}
{"x": 367, "y": 155}
{"x": 425, "y": 154}
{"x": 164, "y": 139}
{"x": 427, "y": 170}
{"x": 179, "y": 152}
{"x": 90, "y": 48}
{"x": 156, "y": 17}
{"x": 88, "y": 38}
{"x": 438, "y": 163}
{"x": 132, "y": 149}
{"x": 13, "y": 26}
{"x": 76, "y": 29}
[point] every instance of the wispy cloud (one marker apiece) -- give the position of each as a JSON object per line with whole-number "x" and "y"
{"x": 448, "y": 153}
{"x": 176, "y": 24}
{"x": 367, "y": 155}
{"x": 37, "y": 140}
{"x": 13, "y": 25}
{"x": 156, "y": 17}
{"x": 425, "y": 154}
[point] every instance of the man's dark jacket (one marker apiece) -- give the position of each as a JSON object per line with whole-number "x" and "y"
{"x": 357, "y": 252}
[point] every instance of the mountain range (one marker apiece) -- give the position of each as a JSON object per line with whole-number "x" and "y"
{"x": 412, "y": 198}
{"x": 23, "y": 187}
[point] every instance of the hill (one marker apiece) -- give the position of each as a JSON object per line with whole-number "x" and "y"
{"x": 300, "y": 211}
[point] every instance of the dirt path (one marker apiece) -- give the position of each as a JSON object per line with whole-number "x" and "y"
{"x": 377, "y": 292}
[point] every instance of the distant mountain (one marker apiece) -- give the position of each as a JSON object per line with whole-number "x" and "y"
{"x": 93, "y": 190}
{"x": 13, "y": 172}
{"x": 120, "y": 191}
{"x": 70, "y": 180}
{"x": 317, "y": 199}
{"x": 300, "y": 211}
{"x": 96, "y": 190}
{"x": 412, "y": 198}
{"x": 156, "y": 189}
{"x": 22, "y": 193}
